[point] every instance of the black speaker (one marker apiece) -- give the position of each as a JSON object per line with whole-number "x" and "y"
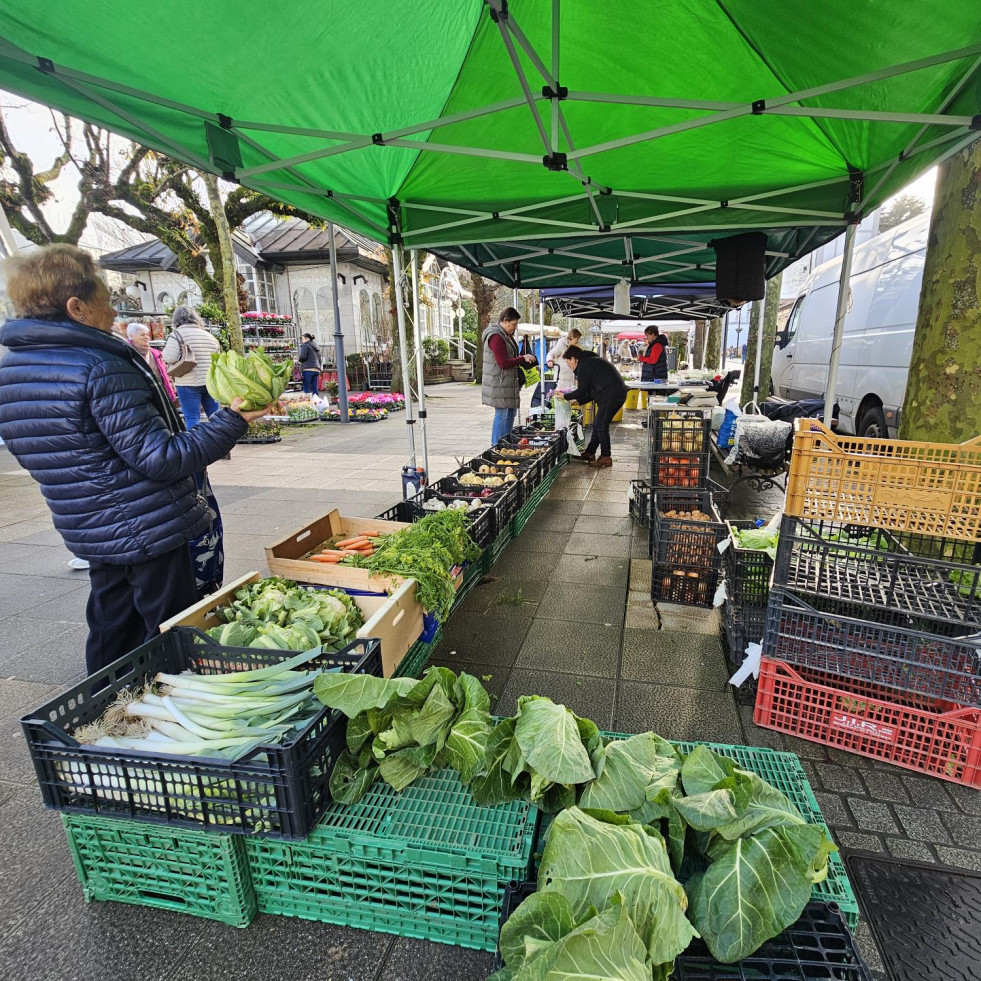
{"x": 740, "y": 264}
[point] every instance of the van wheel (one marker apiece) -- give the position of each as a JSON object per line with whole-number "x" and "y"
{"x": 872, "y": 425}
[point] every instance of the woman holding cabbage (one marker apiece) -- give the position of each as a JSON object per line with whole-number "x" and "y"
{"x": 84, "y": 414}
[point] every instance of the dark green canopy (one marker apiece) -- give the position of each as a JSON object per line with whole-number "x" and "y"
{"x": 584, "y": 140}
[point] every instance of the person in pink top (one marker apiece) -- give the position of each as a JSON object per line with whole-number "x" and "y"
{"x": 139, "y": 337}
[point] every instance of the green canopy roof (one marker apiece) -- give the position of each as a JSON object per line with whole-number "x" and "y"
{"x": 620, "y": 135}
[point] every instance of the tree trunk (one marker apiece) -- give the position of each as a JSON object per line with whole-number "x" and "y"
{"x": 943, "y": 393}
{"x": 678, "y": 339}
{"x": 769, "y": 339}
{"x": 714, "y": 345}
{"x": 483, "y": 292}
{"x": 399, "y": 295}
{"x": 228, "y": 277}
{"x": 698, "y": 345}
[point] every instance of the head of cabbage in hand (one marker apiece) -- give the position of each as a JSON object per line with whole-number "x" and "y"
{"x": 252, "y": 377}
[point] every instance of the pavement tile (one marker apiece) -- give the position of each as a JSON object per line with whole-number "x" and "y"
{"x": 691, "y": 619}
{"x": 595, "y": 524}
{"x": 553, "y": 521}
{"x": 677, "y": 713}
{"x": 923, "y": 824}
{"x": 966, "y": 798}
{"x": 27, "y": 594}
{"x": 586, "y": 649}
{"x": 60, "y": 660}
{"x": 868, "y": 951}
{"x": 17, "y": 699}
{"x": 590, "y": 569}
{"x": 607, "y": 497}
{"x": 499, "y": 595}
{"x": 608, "y": 509}
{"x": 68, "y": 607}
{"x": 554, "y": 505}
{"x": 965, "y": 829}
{"x": 930, "y": 792}
{"x": 491, "y": 639}
{"x": 668, "y": 658}
{"x": 885, "y": 786}
{"x": 859, "y": 841}
{"x": 590, "y": 698}
{"x": 617, "y": 546}
{"x": 756, "y": 736}
{"x": 872, "y": 816}
{"x": 640, "y": 576}
{"x": 582, "y": 604}
{"x": 640, "y": 549}
{"x": 834, "y": 811}
{"x": 959, "y": 858}
{"x": 910, "y": 851}
{"x": 540, "y": 541}
{"x": 522, "y": 566}
{"x": 840, "y": 778}
{"x": 642, "y": 616}
{"x": 419, "y": 960}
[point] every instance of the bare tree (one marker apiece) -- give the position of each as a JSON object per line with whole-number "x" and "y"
{"x": 903, "y": 208}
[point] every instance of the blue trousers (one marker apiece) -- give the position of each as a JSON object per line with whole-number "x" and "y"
{"x": 503, "y": 424}
{"x": 192, "y": 398}
{"x": 310, "y": 380}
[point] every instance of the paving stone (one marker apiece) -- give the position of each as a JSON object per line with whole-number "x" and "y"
{"x": 582, "y": 604}
{"x": 59, "y": 660}
{"x": 611, "y": 509}
{"x": 859, "y": 841}
{"x": 554, "y": 505}
{"x": 589, "y": 569}
{"x": 419, "y": 960}
{"x": 617, "y": 546}
{"x": 492, "y": 639}
{"x": 805, "y": 749}
{"x": 669, "y": 658}
{"x": 959, "y": 858}
{"x": 930, "y": 792}
{"x": 868, "y": 950}
{"x": 591, "y": 698}
{"x": 966, "y": 798}
{"x": 677, "y": 713}
{"x": 640, "y": 576}
{"x": 17, "y": 699}
{"x": 642, "y": 616}
{"x": 640, "y": 549}
{"x": 922, "y": 824}
{"x": 756, "y": 736}
{"x": 540, "y": 541}
{"x": 910, "y": 851}
{"x": 885, "y": 786}
{"x": 525, "y": 565}
{"x": 34, "y": 595}
{"x": 965, "y": 829}
{"x": 840, "y": 778}
{"x": 691, "y": 619}
{"x": 834, "y": 810}
{"x": 551, "y": 521}
{"x": 872, "y": 816}
{"x": 496, "y": 595}
{"x": 594, "y": 524}
{"x": 575, "y": 648}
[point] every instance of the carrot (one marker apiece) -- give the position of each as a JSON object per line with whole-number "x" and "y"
{"x": 357, "y": 540}
{"x": 331, "y": 559}
{"x": 371, "y": 534}
{"x": 330, "y": 551}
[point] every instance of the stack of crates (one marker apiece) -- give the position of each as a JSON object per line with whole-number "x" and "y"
{"x": 873, "y": 626}
{"x": 747, "y": 573}
{"x": 687, "y": 510}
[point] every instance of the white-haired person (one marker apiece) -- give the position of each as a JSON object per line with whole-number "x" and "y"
{"x": 139, "y": 336}
{"x": 192, "y": 392}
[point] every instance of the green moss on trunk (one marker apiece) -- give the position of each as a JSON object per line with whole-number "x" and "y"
{"x": 772, "y": 304}
{"x": 943, "y": 394}
{"x": 713, "y": 352}
{"x": 698, "y": 345}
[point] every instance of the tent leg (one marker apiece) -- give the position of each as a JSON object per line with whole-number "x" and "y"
{"x": 844, "y": 287}
{"x": 338, "y": 332}
{"x": 759, "y": 354}
{"x": 420, "y": 361}
{"x": 541, "y": 352}
{"x": 403, "y": 347}
{"x": 725, "y": 343}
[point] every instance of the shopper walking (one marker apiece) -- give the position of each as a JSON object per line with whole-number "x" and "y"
{"x": 139, "y": 336}
{"x": 565, "y": 379}
{"x": 310, "y": 364}
{"x": 115, "y": 465}
{"x": 502, "y": 378}
{"x": 654, "y": 360}
{"x": 597, "y": 381}
{"x": 192, "y": 391}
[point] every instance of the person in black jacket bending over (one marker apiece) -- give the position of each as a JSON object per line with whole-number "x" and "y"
{"x": 596, "y": 381}
{"x": 85, "y": 415}
{"x": 654, "y": 360}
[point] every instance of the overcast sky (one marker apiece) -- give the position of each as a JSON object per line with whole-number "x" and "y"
{"x": 32, "y": 129}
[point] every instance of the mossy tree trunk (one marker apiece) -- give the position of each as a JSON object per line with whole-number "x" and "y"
{"x": 943, "y": 394}
{"x": 398, "y": 295}
{"x": 229, "y": 281}
{"x": 698, "y": 345}
{"x": 772, "y": 304}
{"x": 714, "y": 345}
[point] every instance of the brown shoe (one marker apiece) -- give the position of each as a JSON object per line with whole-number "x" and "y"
{"x": 603, "y": 461}
{"x": 586, "y": 458}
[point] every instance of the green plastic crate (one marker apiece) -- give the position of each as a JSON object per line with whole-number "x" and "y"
{"x": 204, "y": 873}
{"x": 426, "y": 862}
{"x": 784, "y": 771}
{"x": 416, "y": 657}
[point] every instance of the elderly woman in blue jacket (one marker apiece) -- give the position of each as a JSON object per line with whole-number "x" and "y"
{"x": 83, "y": 413}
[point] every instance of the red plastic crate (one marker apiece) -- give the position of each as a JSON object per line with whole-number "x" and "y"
{"x": 938, "y": 738}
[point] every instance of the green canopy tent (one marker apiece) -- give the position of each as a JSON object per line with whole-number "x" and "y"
{"x": 538, "y": 143}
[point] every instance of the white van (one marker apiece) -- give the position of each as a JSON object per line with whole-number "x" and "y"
{"x": 877, "y": 342}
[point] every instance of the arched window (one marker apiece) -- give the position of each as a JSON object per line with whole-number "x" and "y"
{"x": 182, "y": 298}
{"x": 165, "y": 301}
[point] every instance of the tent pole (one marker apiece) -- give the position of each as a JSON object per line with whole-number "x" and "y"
{"x": 404, "y": 349}
{"x": 844, "y": 289}
{"x": 759, "y": 354}
{"x": 338, "y": 333}
{"x": 420, "y": 362}
{"x": 725, "y": 342}
{"x": 541, "y": 351}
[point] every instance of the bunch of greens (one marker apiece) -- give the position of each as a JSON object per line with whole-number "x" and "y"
{"x": 399, "y": 729}
{"x": 757, "y": 539}
{"x": 543, "y": 754}
{"x": 278, "y": 614}
{"x": 254, "y": 377}
{"x": 747, "y": 857}
{"x": 427, "y": 552}
{"x": 968, "y": 583}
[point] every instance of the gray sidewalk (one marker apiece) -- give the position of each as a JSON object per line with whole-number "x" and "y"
{"x": 566, "y": 612}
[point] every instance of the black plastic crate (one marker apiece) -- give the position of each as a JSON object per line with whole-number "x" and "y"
{"x": 686, "y": 541}
{"x": 684, "y": 585}
{"x": 640, "y": 502}
{"x": 502, "y": 503}
{"x": 905, "y": 660}
{"x": 279, "y": 790}
{"x": 549, "y": 444}
{"x": 741, "y": 626}
{"x": 896, "y": 574}
{"x": 748, "y": 571}
{"x": 529, "y": 475}
{"x": 818, "y": 946}
{"x": 481, "y": 522}
{"x": 684, "y": 471}
{"x": 679, "y": 431}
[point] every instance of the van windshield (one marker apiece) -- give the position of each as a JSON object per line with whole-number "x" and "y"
{"x": 785, "y": 336}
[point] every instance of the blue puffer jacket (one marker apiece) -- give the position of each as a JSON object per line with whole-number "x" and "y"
{"x": 83, "y": 413}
